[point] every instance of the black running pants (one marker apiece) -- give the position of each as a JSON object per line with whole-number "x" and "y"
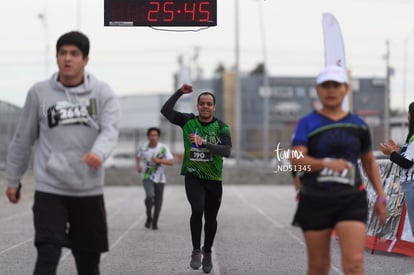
{"x": 204, "y": 197}
{"x": 154, "y": 193}
{"x": 78, "y": 223}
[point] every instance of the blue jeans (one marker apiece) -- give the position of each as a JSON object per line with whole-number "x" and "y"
{"x": 408, "y": 189}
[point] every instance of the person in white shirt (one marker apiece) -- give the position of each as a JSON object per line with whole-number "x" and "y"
{"x": 151, "y": 159}
{"x": 404, "y": 157}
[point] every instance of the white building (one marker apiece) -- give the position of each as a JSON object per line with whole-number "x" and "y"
{"x": 140, "y": 112}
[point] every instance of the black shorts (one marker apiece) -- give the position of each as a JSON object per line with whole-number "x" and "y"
{"x": 78, "y": 223}
{"x": 316, "y": 212}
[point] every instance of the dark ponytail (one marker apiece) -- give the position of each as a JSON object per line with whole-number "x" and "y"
{"x": 411, "y": 122}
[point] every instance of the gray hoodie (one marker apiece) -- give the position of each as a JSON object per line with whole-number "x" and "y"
{"x": 64, "y": 123}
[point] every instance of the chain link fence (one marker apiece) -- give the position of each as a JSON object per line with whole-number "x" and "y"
{"x": 9, "y": 115}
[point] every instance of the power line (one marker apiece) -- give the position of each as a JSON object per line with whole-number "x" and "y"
{"x": 390, "y": 1}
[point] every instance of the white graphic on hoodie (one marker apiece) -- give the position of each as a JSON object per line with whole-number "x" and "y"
{"x": 66, "y": 113}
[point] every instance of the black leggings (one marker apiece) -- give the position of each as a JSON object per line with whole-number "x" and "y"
{"x": 205, "y": 198}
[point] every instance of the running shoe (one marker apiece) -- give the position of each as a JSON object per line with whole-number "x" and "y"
{"x": 207, "y": 262}
{"x": 148, "y": 222}
{"x": 195, "y": 259}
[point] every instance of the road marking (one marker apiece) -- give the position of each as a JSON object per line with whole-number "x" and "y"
{"x": 15, "y": 246}
{"x": 68, "y": 252}
{"x": 275, "y": 222}
{"x": 216, "y": 266}
{"x": 267, "y": 217}
{"x": 135, "y": 224}
{"x": 259, "y": 210}
{"x": 9, "y": 218}
{"x": 124, "y": 203}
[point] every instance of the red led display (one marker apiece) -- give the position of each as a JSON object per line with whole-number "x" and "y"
{"x": 160, "y": 12}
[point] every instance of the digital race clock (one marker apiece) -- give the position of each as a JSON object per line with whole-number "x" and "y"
{"x": 160, "y": 12}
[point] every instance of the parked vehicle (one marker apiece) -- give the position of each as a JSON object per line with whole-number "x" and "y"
{"x": 121, "y": 159}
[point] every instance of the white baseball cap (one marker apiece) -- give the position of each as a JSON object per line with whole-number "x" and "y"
{"x": 332, "y": 73}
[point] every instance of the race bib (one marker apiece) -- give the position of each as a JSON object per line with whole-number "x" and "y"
{"x": 200, "y": 154}
{"x": 66, "y": 113}
{"x": 346, "y": 177}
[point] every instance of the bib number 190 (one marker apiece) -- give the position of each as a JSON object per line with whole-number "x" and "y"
{"x": 200, "y": 154}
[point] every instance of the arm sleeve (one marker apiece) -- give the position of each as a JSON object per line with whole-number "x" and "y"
{"x": 20, "y": 148}
{"x": 224, "y": 148}
{"x": 170, "y": 114}
{"x": 109, "y": 120}
{"x": 401, "y": 161}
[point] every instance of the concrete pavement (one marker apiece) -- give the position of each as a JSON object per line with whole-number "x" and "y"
{"x": 254, "y": 236}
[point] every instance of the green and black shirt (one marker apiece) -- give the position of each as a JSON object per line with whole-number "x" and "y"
{"x": 205, "y": 161}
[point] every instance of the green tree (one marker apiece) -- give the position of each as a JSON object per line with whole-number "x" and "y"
{"x": 258, "y": 70}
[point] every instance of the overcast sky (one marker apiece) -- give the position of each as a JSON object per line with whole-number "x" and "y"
{"x": 141, "y": 60}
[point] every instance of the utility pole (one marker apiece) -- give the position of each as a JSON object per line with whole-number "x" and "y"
{"x": 387, "y": 94}
{"x": 404, "y": 97}
{"x": 266, "y": 95}
{"x": 237, "y": 97}
{"x": 43, "y": 17}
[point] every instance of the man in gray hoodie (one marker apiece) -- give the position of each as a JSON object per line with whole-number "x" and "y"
{"x": 71, "y": 123}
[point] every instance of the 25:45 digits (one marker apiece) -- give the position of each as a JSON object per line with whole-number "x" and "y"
{"x": 167, "y": 11}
